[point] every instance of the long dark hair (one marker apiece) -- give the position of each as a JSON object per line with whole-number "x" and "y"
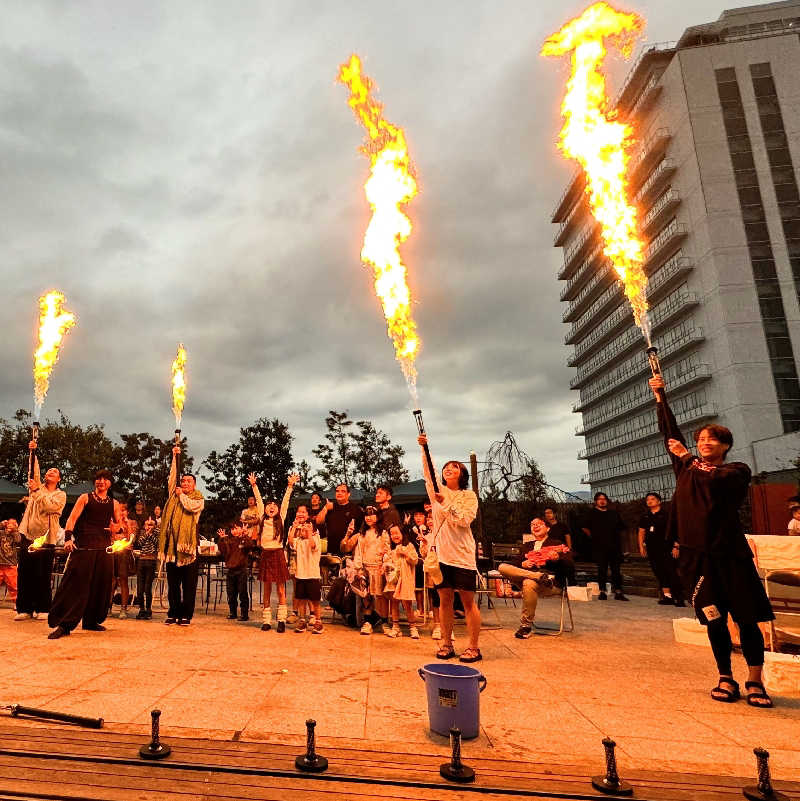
{"x": 277, "y": 523}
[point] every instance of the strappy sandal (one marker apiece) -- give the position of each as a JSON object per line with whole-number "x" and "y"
{"x": 445, "y": 651}
{"x": 471, "y": 655}
{"x": 725, "y": 695}
{"x": 754, "y": 697}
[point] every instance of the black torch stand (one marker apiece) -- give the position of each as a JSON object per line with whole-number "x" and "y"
{"x": 455, "y": 770}
{"x": 155, "y": 749}
{"x": 421, "y": 428}
{"x": 311, "y": 761}
{"x": 611, "y": 784}
{"x": 764, "y": 790}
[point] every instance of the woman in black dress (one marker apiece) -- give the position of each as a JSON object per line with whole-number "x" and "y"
{"x": 715, "y": 561}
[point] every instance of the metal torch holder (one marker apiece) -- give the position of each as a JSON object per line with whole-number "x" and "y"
{"x": 32, "y": 454}
{"x": 421, "y": 428}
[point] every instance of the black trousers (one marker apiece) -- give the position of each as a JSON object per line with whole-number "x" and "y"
{"x": 181, "y": 590}
{"x": 34, "y": 578}
{"x": 721, "y": 645}
{"x": 236, "y": 585}
{"x": 609, "y": 560}
{"x": 84, "y": 590}
{"x": 145, "y": 574}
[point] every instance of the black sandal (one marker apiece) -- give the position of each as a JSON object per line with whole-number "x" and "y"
{"x": 446, "y": 651}
{"x": 755, "y": 697}
{"x": 725, "y": 695}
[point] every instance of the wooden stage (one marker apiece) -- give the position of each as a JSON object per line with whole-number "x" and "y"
{"x": 64, "y": 762}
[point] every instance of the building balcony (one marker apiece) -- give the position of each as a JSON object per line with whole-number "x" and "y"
{"x": 584, "y": 274}
{"x": 649, "y": 429}
{"x": 656, "y": 182}
{"x": 648, "y": 156}
{"x": 657, "y": 214}
{"x": 667, "y": 276}
{"x": 636, "y": 81}
{"x": 619, "y": 319}
{"x": 646, "y": 465}
{"x": 611, "y": 297}
{"x": 674, "y": 308}
{"x": 664, "y": 243}
{"x": 634, "y": 368}
{"x": 603, "y": 275}
{"x": 630, "y": 339}
{"x": 689, "y": 378}
{"x": 573, "y": 258}
{"x": 579, "y": 211}
{"x": 647, "y": 98}
{"x": 569, "y": 197}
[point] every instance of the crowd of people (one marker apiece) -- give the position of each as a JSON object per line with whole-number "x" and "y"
{"x": 418, "y": 564}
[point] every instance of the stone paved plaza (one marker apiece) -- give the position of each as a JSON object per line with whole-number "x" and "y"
{"x": 548, "y": 699}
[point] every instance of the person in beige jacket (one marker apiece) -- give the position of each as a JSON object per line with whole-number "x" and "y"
{"x": 44, "y": 505}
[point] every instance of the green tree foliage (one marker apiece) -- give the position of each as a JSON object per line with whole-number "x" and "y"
{"x": 362, "y": 458}
{"x": 264, "y": 448}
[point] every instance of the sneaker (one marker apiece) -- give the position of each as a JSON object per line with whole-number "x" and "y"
{"x": 665, "y": 600}
{"x": 602, "y": 596}
{"x": 148, "y": 614}
{"x": 123, "y": 614}
{"x": 232, "y": 616}
{"x": 317, "y": 629}
{"x": 301, "y": 625}
{"x": 458, "y": 614}
{"x": 36, "y": 616}
{"x": 184, "y": 621}
{"x": 96, "y": 627}
{"x": 413, "y": 632}
{"x": 243, "y": 618}
{"x": 680, "y": 603}
{"x": 142, "y": 615}
{"x": 57, "y": 633}
{"x": 394, "y": 632}
{"x": 24, "y": 616}
{"x": 169, "y": 621}
{"x": 366, "y": 628}
{"x": 281, "y": 626}
{"x": 436, "y": 634}
{"x": 620, "y": 596}
{"x": 292, "y": 619}
{"x": 523, "y": 632}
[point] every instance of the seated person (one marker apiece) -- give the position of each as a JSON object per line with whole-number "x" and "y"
{"x": 543, "y": 568}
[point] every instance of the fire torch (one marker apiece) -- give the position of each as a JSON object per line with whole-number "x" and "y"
{"x": 178, "y": 394}
{"x": 32, "y": 453}
{"x": 421, "y": 428}
{"x": 655, "y": 367}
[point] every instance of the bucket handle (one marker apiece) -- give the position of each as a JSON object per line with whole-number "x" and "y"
{"x": 421, "y": 673}
{"x": 481, "y": 683}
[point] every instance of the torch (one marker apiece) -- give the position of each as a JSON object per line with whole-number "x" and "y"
{"x": 655, "y": 367}
{"x": 421, "y": 428}
{"x": 32, "y": 453}
{"x": 178, "y": 393}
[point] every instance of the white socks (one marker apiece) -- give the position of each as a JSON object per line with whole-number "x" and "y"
{"x": 268, "y": 615}
{"x": 282, "y": 613}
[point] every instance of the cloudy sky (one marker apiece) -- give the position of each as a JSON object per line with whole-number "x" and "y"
{"x": 190, "y": 171}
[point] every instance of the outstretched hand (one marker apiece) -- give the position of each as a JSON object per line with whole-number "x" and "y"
{"x": 293, "y": 479}
{"x": 422, "y": 439}
{"x": 251, "y": 479}
{"x": 677, "y": 448}
{"x": 176, "y": 449}
{"x": 657, "y": 383}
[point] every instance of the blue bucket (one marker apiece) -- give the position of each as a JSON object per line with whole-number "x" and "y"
{"x": 454, "y": 694}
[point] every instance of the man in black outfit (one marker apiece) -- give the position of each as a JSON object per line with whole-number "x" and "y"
{"x": 388, "y": 515}
{"x": 604, "y": 527}
{"x": 340, "y": 518}
{"x": 558, "y": 530}
{"x": 653, "y": 545}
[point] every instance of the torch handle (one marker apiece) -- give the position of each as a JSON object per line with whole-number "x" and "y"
{"x": 45, "y": 714}
{"x": 32, "y": 454}
{"x": 429, "y": 462}
{"x": 177, "y": 456}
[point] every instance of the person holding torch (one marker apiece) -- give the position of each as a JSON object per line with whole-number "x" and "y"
{"x": 454, "y": 507}
{"x": 715, "y": 560}
{"x": 39, "y": 529}
{"x": 177, "y": 544}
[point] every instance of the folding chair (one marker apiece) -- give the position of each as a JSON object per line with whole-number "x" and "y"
{"x": 783, "y": 591}
{"x": 566, "y": 606}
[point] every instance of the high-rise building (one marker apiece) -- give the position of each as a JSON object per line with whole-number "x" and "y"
{"x": 716, "y": 117}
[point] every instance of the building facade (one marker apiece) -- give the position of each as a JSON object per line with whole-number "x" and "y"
{"x": 714, "y": 175}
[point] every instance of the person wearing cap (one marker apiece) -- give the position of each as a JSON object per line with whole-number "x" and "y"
{"x": 82, "y": 595}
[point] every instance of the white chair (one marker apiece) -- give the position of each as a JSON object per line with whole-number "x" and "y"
{"x": 783, "y": 591}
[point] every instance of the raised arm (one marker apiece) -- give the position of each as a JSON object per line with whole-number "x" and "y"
{"x": 172, "y": 480}
{"x": 422, "y": 439}
{"x": 256, "y": 494}
{"x": 293, "y": 479}
{"x": 668, "y": 425}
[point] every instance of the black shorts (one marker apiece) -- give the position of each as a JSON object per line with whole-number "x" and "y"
{"x": 457, "y": 578}
{"x": 308, "y": 590}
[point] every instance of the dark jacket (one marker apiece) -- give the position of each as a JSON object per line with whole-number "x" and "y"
{"x": 562, "y": 568}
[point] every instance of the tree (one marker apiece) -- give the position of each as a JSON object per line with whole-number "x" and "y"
{"x": 264, "y": 448}
{"x": 336, "y": 453}
{"x": 363, "y": 458}
{"x": 375, "y": 460}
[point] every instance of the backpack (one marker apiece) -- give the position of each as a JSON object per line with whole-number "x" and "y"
{"x": 342, "y": 599}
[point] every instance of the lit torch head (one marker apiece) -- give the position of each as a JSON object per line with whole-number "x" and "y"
{"x": 54, "y": 322}
{"x": 178, "y": 386}
{"x": 117, "y": 546}
{"x": 391, "y": 185}
{"x": 37, "y": 544}
{"x": 600, "y": 143}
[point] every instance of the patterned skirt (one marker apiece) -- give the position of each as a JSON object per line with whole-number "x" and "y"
{"x": 272, "y": 567}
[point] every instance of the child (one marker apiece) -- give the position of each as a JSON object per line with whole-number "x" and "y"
{"x": 794, "y": 523}
{"x": 402, "y": 559}
{"x": 273, "y": 568}
{"x": 146, "y": 542}
{"x": 371, "y": 546}
{"x": 234, "y": 548}
{"x": 433, "y": 595}
{"x": 306, "y": 541}
{"x": 417, "y": 532}
{"x": 9, "y": 543}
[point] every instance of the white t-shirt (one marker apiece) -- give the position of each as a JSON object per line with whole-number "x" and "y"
{"x": 308, "y": 558}
{"x": 794, "y": 528}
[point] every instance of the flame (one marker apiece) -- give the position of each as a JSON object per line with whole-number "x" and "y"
{"x": 117, "y": 546}
{"x": 179, "y": 384}
{"x": 53, "y": 324}
{"x": 600, "y": 143}
{"x": 391, "y": 185}
{"x": 38, "y": 543}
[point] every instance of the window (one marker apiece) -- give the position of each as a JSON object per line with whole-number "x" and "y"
{"x": 763, "y": 87}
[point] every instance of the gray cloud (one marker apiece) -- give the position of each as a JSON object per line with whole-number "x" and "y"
{"x": 190, "y": 171}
